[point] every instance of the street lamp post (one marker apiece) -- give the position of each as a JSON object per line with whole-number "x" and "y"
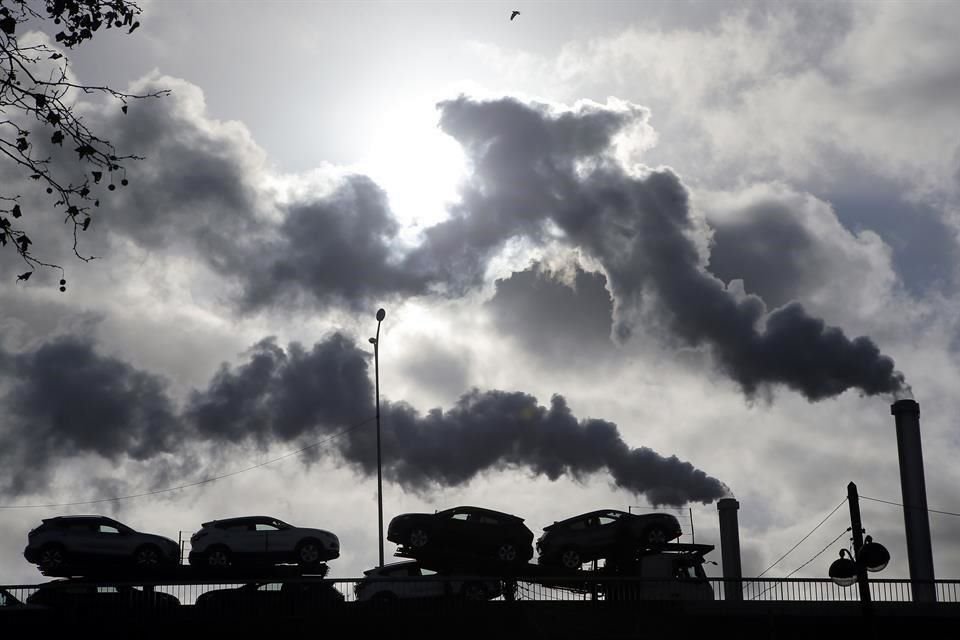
{"x": 867, "y": 555}
{"x": 381, "y": 314}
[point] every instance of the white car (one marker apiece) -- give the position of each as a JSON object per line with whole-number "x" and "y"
{"x": 69, "y": 541}
{"x": 406, "y": 580}
{"x": 221, "y": 543}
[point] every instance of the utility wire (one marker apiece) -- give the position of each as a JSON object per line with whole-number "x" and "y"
{"x": 802, "y": 539}
{"x": 817, "y": 555}
{"x": 946, "y": 513}
{"x": 192, "y": 484}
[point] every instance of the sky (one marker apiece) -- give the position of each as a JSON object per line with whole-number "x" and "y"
{"x": 631, "y": 255}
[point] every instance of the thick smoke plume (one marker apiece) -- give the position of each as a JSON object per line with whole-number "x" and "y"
{"x": 537, "y": 171}
{"x": 533, "y": 165}
{"x": 65, "y": 399}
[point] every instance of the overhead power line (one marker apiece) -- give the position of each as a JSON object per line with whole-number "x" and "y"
{"x": 815, "y": 556}
{"x": 946, "y": 513}
{"x": 819, "y": 553}
{"x": 192, "y": 484}
{"x": 842, "y": 502}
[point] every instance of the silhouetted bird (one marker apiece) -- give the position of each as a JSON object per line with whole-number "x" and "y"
{"x": 514, "y": 15}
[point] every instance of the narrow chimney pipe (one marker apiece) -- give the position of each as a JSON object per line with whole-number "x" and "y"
{"x": 730, "y": 548}
{"x": 915, "y": 517}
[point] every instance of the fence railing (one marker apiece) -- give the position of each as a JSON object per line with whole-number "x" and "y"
{"x": 290, "y": 595}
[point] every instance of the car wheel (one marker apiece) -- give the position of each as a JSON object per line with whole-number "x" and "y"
{"x": 147, "y": 556}
{"x": 218, "y": 558}
{"x": 52, "y": 556}
{"x": 507, "y": 552}
{"x": 308, "y": 553}
{"x": 419, "y": 538}
{"x": 655, "y": 536}
{"x": 474, "y": 591}
{"x": 570, "y": 559}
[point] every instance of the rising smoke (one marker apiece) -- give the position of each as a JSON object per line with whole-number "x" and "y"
{"x": 540, "y": 172}
{"x": 533, "y": 166}
{"x": 545, "y": 174}
{"x": 537, "y": 171}
{"x": 295, "y": 394}
{"x": 65, "y": 399}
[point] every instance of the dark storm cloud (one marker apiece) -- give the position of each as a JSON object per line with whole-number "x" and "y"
{"x": 199, "y": 189}
{"x": 769, "y": 249}
{"x": 551, "y": 317}
{"x": 527, "y": 159}
{"x": 195, "y": 184}
{"x": 281, "y": 395}
{"x": 337, "y": 248}
{"x": 535, "y": 170}
{"x": 531, "y": 166}
{"x": 64, "y": 399}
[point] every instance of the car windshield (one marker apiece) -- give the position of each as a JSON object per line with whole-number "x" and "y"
{"x": 280, "y": 524}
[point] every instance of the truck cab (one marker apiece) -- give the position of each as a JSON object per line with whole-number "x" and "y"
{"x": 671, "y": 574}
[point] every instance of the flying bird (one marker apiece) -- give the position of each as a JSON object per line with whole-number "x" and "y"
{"x": 514, "y": 15}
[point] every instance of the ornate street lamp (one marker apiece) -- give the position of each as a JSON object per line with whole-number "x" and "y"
{"x": 867, "y": 555}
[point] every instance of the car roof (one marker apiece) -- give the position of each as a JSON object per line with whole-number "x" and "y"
{"x": 241, "y": 520}
{"x": 79, "y": 518}
{"x": 598, "y": 512}
{"x": 469, "y": 509}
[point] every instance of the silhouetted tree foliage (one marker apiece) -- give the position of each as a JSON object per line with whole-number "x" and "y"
{"x": 37, "y": 98}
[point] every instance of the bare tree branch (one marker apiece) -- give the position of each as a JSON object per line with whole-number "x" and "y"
{"x": 36, "y": 92}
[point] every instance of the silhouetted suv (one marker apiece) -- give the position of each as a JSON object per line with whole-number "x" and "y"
{"x": 221, "y": 543}
{"x": 274, "y": 598}
{"x": 463, "y": 532}
{"x": 87, "y": 598}
{"x": 603, "y": 534}
{"x": 77, "y": 540}
{"x": 408, "y": 580}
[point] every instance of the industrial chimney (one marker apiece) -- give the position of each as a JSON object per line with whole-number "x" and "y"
{"x": 730, "y": 548}
{"x": 916, "y": 520}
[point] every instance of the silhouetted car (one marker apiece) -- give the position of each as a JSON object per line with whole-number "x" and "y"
{"x": 221, "y": 543}
{"x": 90, "y": 598}
{"x": 602, "y": 534}
{"x": 463, "y": 531}
{"x": 273, "y": 598}
{"x": 78, "y": 540}
{"x": 408, "y": 580}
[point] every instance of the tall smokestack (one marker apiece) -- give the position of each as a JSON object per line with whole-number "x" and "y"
{"x": 730, "y": 548}
{"x": 916, "y": 520}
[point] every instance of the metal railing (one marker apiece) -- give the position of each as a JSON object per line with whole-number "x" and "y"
{"x": 291, "y": 595}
